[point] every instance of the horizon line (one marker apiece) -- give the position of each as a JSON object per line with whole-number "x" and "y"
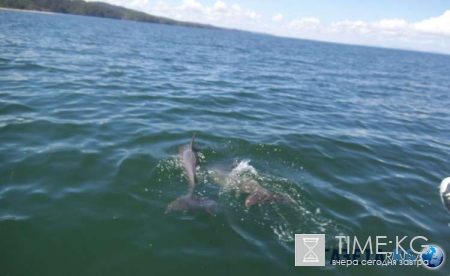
{"x": 214, "y": 27}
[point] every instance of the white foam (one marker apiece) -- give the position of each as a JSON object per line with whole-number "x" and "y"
{"x": 242, "y": 167}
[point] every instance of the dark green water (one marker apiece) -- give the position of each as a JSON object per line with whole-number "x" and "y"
{"x": 93, "y": 111}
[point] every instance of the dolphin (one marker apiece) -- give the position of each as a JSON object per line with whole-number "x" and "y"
{"x": 246, "y": 185}
{"x": 189, "y": 161}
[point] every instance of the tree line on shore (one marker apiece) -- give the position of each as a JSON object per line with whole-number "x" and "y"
{"x": 96, "y": 9}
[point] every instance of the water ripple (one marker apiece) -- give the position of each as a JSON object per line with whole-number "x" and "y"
{"x": 92, "y": 112}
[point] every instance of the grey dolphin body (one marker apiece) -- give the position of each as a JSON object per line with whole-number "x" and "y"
{"x": 188, "y": 158}
{"x": 246, "y": 185}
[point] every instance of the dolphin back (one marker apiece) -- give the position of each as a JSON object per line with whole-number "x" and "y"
{"x": 262, "y": 196}
{"x": 189, "y": 161}
{"x": 192, "y": 141}
{"x": 191, "y": 202}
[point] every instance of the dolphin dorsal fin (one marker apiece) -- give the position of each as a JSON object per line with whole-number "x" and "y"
{"x": 192, "y": 141}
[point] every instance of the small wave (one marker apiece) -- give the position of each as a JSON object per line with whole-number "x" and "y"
{"x": 14, "y": 108}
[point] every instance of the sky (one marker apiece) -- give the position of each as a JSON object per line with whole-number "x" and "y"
{"x": 422, "y": 25}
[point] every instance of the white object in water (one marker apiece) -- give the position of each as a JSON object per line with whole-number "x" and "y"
{"x": 445, "y": 192}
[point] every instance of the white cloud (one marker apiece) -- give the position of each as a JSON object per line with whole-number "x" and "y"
{"x": 139, "y": 3}
{"x": 307, "y": 27}
{"x": 439, "y": 25}
{"x": 219, "y": 14}
{"x": 387, "y": 26}
{"x": 277, "y": 17}
{"x": 191, "y": 5}
{"x": 391, "y": 24}
{"x": 252, "y": 15}
{"x": 220, "y": 6}
{"x": 236, "y": 7}
{"x": 306, "y": 23}
{"x": 432, "y": 34}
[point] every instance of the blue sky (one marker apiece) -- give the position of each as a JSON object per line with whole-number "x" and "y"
{"x": 407, "y": 24}
{"x": 338, "y": 10}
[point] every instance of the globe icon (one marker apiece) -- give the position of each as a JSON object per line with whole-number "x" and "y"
{"x": 433, "y": 255}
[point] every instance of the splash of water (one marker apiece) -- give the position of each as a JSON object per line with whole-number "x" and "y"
{"x": 243, "y": 167}
{"x": 286, "y": 221}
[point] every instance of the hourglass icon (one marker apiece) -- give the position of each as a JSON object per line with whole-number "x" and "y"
{"x": 310, "y": 257}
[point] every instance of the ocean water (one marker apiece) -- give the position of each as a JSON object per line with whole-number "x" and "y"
{"x": 93, "y": 111}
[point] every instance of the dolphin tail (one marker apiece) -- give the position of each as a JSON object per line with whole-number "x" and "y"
{"x": 191, "y": 202}
{"x": 262, "y": 196}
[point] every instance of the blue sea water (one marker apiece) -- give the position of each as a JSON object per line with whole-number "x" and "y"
{"x": 93, "y": 111}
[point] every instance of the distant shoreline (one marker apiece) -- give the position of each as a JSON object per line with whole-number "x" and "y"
{"x": 172, "y": 22}
{"x": 94, "y": 9}
{"x": 20, "y": 10}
